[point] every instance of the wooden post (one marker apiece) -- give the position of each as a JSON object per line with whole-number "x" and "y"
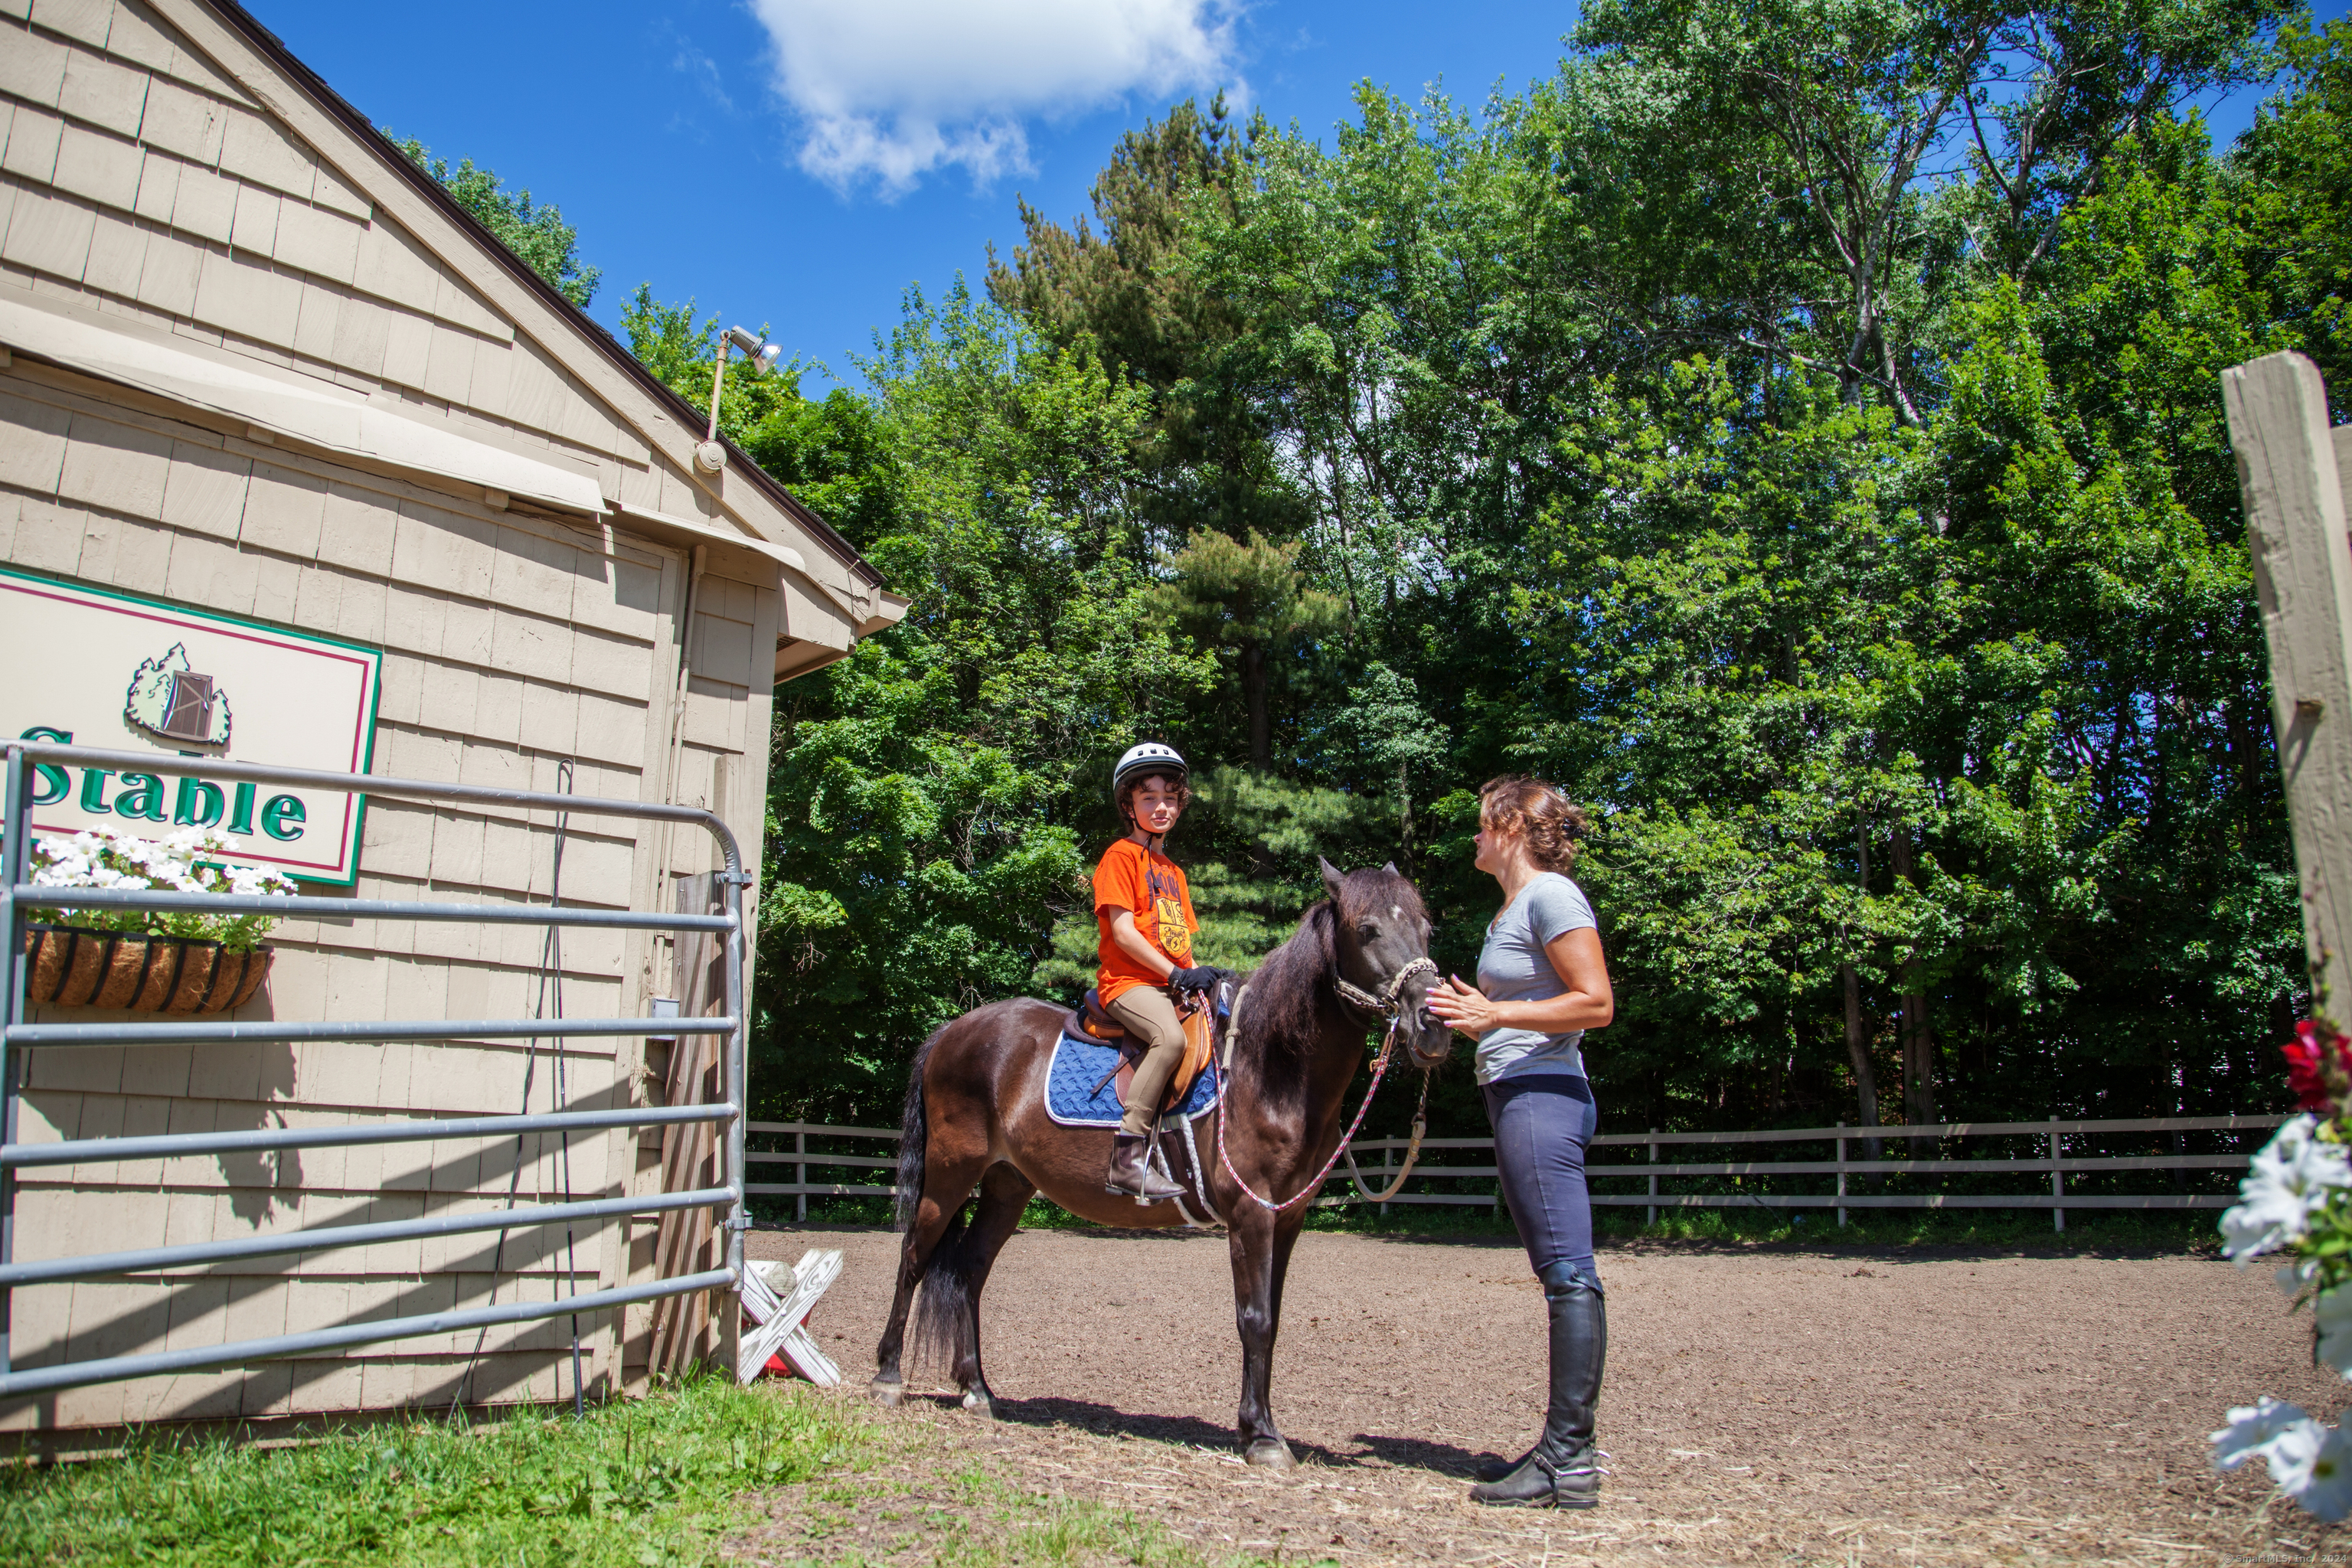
{"x": 1654, "y": 1181}
{"x": 1841, "y": 1160}
{"x": 2288, "y": 477}
{"x": 800, "y": 1176}
{"x": 2057, "y": 1177}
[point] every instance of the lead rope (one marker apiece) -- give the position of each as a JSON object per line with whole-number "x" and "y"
{"x": 1379, "y": 1067}
{"x": 1420, "y": 1126}
{"x": 1385, "y": 1002}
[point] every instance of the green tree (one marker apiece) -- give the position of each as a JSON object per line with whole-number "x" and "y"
{"x": 927, "y": 819}
{"x": 537, "y": 233}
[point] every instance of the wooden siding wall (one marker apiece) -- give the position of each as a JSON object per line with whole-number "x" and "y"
{"x": 136, "y": 179}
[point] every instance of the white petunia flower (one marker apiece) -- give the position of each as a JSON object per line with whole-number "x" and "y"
{"x": 2293, "y": 1277}
{"x": 2313, "y": 1464}
{"x": 2289, "y": 1182}
{"x": 2332, "y": 1313}
{"x": 2255, "y": 1429}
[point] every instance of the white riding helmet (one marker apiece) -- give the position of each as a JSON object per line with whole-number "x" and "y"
{"x": 1150, "y": 757}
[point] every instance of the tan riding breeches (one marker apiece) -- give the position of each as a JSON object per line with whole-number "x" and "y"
{"x": 1151, "y": 1019}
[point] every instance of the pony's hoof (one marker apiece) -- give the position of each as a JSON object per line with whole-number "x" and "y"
{"x": 980, "y": 1405}
{"x": 1270, "y": 1454}
{"x": 889, "y": 1393}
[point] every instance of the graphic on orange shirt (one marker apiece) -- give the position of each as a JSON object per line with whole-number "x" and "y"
{"x": 1153, "y": 887}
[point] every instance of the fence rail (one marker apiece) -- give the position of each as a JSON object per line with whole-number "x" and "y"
{"x": 2056, "y": 1164}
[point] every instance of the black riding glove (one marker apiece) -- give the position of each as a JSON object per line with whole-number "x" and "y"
{"x": 1200, "y": 977}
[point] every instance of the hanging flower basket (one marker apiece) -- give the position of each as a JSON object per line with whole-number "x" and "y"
{"x": 149, "y": 961}
{"x": 70, "y": 967}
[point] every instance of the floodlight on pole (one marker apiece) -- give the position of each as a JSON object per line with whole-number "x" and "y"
{"x": 761, "y": 357}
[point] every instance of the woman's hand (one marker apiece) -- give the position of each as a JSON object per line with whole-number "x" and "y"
{"x": 1463, "y": 1006}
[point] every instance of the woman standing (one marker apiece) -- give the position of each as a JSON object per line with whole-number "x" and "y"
{"x": 1541, "y": 984}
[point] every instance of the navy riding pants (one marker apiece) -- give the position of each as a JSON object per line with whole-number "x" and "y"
{"x": 1542, "y": 1123}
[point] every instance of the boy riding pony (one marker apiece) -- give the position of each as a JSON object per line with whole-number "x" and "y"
{"x": 1144, "y": 909}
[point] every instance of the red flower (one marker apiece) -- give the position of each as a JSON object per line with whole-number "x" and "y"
{"x": 2302, "y": 1065}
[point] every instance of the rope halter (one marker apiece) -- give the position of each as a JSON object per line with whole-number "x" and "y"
{"x": 1389, "y": 1001}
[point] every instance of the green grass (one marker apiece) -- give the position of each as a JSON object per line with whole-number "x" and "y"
{"x": 970, "y": 1516}
{"x": 654, "y": 1481}
{"x": 664, "y": 1480}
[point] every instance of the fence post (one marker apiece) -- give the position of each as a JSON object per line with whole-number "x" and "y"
{"x": 1654, "y": 1181}
{"x": 2288, "y": 479}
{"x": 2057, "y": 1177}
{"x": 1841, "y": 1160}
{"x": 799, "y": 1177}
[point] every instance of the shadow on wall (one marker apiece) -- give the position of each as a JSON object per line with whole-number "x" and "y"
{"x": 134, "y": 1091}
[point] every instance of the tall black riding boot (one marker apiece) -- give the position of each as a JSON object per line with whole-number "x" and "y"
{"x": 1563, "y": 1470}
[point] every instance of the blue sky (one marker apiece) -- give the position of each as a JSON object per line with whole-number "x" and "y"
{"x": 797, "y": 164}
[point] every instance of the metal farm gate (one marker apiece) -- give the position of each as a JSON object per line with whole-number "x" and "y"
{"x": 18, "y": 1037}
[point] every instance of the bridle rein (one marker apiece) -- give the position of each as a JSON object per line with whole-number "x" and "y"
{"x": 1389, "y": 1002}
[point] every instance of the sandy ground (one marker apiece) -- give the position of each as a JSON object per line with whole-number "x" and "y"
{"x": 1762, "y": 1404}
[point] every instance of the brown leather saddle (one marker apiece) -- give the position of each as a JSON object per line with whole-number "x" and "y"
{"x": 1092, "y": 1022}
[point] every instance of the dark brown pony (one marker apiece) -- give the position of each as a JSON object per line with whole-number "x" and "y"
{"x": 976, "y": 1118}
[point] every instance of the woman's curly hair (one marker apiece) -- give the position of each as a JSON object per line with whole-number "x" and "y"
{"x": 1551, "y": 822}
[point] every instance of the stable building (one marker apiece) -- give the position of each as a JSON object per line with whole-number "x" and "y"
{"x": 298, "y": 466}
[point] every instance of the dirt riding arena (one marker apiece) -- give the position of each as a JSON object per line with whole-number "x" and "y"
{"x": 1762, "y": 1404}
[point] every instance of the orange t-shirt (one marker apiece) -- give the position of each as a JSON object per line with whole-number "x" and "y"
{"x": 1132, "y": 878}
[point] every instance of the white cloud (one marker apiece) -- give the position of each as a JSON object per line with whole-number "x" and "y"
{"x": 889, "y": 90}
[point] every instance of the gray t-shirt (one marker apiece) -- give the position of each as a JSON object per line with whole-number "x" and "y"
{"x": 1514, "y": 967}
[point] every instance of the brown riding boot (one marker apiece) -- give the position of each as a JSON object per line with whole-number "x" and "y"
{"x": 1131, "y": 1174}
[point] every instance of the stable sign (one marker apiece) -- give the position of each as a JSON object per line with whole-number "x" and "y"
{"x": 109, "y": 670}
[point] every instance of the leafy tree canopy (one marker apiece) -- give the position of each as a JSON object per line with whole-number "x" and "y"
{"x": 537, "y": 233}
{"x": 1796, "y": 431}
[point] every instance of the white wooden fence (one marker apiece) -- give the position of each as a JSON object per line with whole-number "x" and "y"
{"x": 1739, "y": 1182}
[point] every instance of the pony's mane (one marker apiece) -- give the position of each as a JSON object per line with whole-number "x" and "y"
{"x": 1282, "y": 993}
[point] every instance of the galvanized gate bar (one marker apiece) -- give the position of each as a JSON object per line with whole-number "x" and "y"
{"x": 387, "y": 787}
{"x": 260, "y": 1138}
{"x": 42, "y": 898}
{"x": 275, "y": 1033}
{"x": 17, "y": 897}
{"x": 147, "y": 1259}
{"x": 202, "y": 1358}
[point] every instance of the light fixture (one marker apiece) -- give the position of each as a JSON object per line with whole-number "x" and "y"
{"x": 761, "y": 357}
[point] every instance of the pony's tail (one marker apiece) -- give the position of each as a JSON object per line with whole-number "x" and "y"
{"x": 944, "y": 1319}
{"x": 943, "y": 1328}
{"x": 914, "y": 1133}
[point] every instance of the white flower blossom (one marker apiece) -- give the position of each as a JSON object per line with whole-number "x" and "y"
{"x": 2289, "y": 1182}
{"x": 2332, "y": 1313}
{"x": 2255, "y": 1429}
{"x": 2309, "y": 1461}
{"x": 2312, "y": 1463}
{"x": 2293, "y": 1277}
{"x": 188, "y": 861}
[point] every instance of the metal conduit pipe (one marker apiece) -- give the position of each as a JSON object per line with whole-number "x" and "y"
{"x": 347, "y": 909}
{"x": 142, "y": 1260}
{"x": 263, "y": 1139}
{"x": 271, "y": 1031}
{"x": 77, "y": 1374}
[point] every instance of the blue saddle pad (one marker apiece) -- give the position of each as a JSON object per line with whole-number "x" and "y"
{"x": 1072, "y": 1100}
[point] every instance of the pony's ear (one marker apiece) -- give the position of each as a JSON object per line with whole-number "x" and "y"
{"x": 1330, "y": 877}
{"x": 1392, "y": 870}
